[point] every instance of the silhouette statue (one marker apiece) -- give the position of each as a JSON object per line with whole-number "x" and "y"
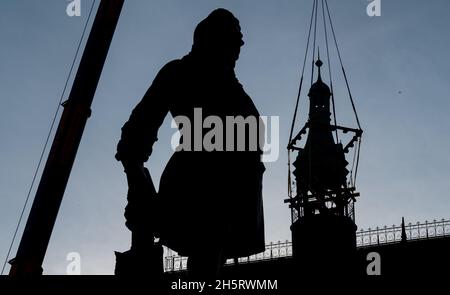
{"x": 209, "y": 205}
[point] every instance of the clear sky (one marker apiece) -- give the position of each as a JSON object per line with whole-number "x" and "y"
{"x": 397, "y": 65}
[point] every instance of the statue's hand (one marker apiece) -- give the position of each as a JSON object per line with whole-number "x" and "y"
{"x": 141, "y": 196}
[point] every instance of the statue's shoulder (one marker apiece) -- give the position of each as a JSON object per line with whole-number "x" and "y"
{"x": 173, "y": 67}
{"x": 170, "y": 73}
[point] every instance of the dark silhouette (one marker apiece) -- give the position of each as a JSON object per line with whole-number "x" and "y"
{"x": 211, "y": 201}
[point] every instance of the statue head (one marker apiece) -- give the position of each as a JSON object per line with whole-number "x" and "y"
{"x": 219, "y": 37}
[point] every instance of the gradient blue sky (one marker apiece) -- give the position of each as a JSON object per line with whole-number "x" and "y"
{"x": 405, "y": 163}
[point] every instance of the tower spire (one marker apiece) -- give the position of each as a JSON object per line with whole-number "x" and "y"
{"x": 323, "y": 204}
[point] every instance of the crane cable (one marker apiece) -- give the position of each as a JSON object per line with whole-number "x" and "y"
{"x": 301, "y": 79}
{"x": 342, "y": 66}
{"x": 48, "y": 137}
{"x": 329, "y": 70}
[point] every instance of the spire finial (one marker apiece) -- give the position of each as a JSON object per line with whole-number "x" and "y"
{"x": 319, "y": 63}
{"x": 403, "y": 236}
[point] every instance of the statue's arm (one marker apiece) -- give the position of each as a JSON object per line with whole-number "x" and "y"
{"x": 140, "y": 132}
